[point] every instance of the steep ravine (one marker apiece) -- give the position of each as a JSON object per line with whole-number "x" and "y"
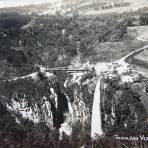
{"x": 110, "y": 99}
{"x": 116, "y": 97}
{"x": 123, "y": 101}
{"x": 36, "y": 98}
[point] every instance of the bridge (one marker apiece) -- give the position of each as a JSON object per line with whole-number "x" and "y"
{"x": 68, "y": 70}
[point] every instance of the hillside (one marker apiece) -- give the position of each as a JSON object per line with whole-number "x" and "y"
{"x": 66, "y": 80}
{"x": 95, "y": 7}
{"x": 90, "y": 7}
{"x": 52, "y": 41}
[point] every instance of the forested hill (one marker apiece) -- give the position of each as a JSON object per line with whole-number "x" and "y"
{"x": 29, "y": 42}
{"x": 52, "y": 41}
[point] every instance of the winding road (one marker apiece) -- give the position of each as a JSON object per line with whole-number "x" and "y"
{"x": 99, "y": 66}
{"x": 141, "y": 70}
{"x": 132, "y": 54}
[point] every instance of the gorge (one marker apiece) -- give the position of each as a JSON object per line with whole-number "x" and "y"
{"x": 108, "y": 85}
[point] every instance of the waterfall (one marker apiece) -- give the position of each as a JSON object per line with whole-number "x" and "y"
{"x": 69, "y": 116}
{"x": 96, "y": 128}
{"x": 66, "y": 127}
{"x": 70, "y": 109}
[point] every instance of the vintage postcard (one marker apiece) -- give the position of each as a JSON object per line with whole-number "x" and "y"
{"x": 73, "y": 73}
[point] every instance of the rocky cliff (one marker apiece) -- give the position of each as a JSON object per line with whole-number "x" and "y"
{"x": 124, "y": 101}
{"x": 38, "y": 99}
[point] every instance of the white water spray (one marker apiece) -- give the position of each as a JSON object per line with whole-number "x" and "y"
{"x": 66, "y": 127}
{"x": 70, "y": 110}
{"x": 96, "y": 128}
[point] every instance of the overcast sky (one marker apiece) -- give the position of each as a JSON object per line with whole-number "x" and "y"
{"x": 15, "y": 3}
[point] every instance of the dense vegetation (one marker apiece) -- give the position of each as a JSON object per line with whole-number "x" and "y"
{"x": 144, "y": 19}
{"x": 53, "y": 40}
{"x": 127, "y": 100}
{"x": 50, "y": 41}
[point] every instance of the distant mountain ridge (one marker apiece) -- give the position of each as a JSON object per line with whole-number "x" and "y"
{"x": 82, "y": 6}
{"x": 16, "y": 3}
{"x": 104, "y": 6}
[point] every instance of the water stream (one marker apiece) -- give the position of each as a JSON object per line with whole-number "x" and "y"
{"x": 96, "y": 128}
{"x": 96, "y": 121}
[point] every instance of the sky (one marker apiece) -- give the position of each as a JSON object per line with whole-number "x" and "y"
{"x": 16, "y": 3}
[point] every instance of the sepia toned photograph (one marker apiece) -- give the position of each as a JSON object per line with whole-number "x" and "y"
{"x": 73, "y": 73}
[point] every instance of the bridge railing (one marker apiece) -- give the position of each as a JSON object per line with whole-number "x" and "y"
{"x": 68, "y": 70}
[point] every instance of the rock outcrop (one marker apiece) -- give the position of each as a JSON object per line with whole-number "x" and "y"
{"x": 39, "y": 99}
{"x": 124, "y": 101}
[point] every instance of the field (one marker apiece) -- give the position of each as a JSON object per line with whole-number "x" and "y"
{"x": 112, "y": 51}
{"x": 139, "y": 32}
{"x": 143, "y": 56}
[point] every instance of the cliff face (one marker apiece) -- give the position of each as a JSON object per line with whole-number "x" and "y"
{"x": 80, "y": 89}
{"x": 124, "y": 98}
{"x": 124, "y": 101}
{"x": 38, "y": 99}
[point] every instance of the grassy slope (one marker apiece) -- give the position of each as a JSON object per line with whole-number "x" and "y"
{"x": 112, "y": 51}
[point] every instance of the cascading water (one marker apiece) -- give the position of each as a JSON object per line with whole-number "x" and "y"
{"x": 66, "y": 126}
{"x": 96, "y": 128}
{"x": 70, "y": 109}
